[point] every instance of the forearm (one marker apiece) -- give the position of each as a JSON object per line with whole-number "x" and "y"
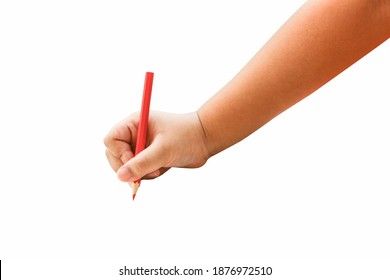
{"x": 318, "y": 42}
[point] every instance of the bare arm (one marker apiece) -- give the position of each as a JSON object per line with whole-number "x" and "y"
{"x": 319, "y": 41}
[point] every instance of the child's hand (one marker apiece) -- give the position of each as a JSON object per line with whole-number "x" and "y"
{"x": 173, "y": 140}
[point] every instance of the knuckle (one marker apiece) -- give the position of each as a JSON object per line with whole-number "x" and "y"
{"x": 106, "y": 141}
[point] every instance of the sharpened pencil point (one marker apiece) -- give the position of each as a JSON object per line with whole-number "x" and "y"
{"x": 135, "y": 186}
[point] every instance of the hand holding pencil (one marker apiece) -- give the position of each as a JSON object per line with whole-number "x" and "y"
{"x": 174, "y": 140}
{"x": 145, "y": 145}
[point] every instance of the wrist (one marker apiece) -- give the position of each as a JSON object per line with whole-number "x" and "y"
{"x": 208, "y": 145}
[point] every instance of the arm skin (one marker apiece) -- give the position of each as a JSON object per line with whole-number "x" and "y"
{"x": 323, "y": 38}
{"x": 319, "y": 41}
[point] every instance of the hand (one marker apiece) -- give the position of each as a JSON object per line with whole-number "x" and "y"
{"x": 173, "y": 140}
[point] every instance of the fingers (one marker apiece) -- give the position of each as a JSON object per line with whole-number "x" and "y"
{"x": 149, "y": 162}
{"x": 119, "y": 143}
{"x": 115, "y": 162}
{"x": 121, "y": 136}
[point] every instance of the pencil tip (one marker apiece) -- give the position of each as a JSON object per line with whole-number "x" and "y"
{"x": 134, "y": 196}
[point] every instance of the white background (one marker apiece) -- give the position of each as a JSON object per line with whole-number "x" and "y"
{"x": 313, "y": 184}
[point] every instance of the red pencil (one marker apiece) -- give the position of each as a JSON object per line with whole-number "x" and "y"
{"x": 143, "y": 123}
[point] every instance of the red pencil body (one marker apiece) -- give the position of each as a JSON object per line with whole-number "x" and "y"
{"x": 144, "y": 117}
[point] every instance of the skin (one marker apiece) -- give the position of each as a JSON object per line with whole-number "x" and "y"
{"x": 322, "y": 39}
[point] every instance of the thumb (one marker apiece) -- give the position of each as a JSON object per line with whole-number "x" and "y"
{"x": 147, "y": 161}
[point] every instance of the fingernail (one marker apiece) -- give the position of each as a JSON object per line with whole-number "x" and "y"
{"x": 123, "y": 174}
